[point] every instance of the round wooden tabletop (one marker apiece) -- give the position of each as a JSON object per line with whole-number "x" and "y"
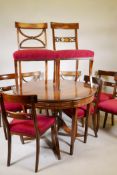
{"x": 71, "y": 94}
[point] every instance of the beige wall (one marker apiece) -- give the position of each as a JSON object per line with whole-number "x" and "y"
{"x": 98, "y": 27}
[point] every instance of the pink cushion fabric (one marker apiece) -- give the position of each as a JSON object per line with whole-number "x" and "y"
{"x": 70, "y": 112}
{"x": 26, "y": 127}
{"x": 70, "y": 54}
{"x": 31, "y": 55}
{"x": 85, "y": 108}
{"x": 109, "y": 106}
{"x": 105, "y": 96}
{"x": 41, "y": 55}
{"x": 12, "y": 107}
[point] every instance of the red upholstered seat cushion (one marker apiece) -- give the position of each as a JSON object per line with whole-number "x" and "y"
{"x": 26, "y": 127}
{"x": 41, "y": 55}
{"x": 71, "y": 112}
{"x": 13, "y": 107}
{"x": 70, "y": 54}
{"x": 109, "y": 106}
{"x": 37, "y": 55}
{"x": 105, "y": 96}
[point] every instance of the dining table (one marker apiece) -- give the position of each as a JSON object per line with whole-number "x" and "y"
{"x": 70, "y": 94}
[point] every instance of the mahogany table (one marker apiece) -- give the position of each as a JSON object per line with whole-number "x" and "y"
{"x": 71, "y": 94}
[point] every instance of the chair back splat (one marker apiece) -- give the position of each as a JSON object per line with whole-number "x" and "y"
{"x": 36, "y": 38}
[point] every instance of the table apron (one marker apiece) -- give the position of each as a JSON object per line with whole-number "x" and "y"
{"x": 64, "y": 104}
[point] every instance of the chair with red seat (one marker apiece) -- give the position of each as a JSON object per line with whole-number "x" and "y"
{"x": 27, "y": 123}
{"x": 109, "y": 106}
{"x": 107, "y": 88}
{"x": 32, "y": 46}
{"x": 108, "y": 81}
{"x": 7, "y": 81}
{"x": 65, "y": 35}
{"x": 82, "y": 112}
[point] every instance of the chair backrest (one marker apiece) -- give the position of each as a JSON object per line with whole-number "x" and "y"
{"x": 65, "y": 35}
{"x": 8, "y": 85}
{"x": 108, "y": 79}
{"x": 97, "y": 82}
{"x": 31, "y": 35}
{"x": 30, "y": 100}
{"x": 7, "y": 81}
{"x": 33, "y": 75}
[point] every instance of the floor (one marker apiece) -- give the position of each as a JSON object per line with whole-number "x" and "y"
{"x": 98, "y": 156}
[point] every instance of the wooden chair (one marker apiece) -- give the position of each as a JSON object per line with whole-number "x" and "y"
{"x": 109, "y": 106}
{"x": 32, "y": 44}
{"x": 108, "y": 91}
{"x": 33, "y": 76}
{"x": 27, "y": 124}
{"x": 97, "y": 82}
{"x": 9, "y": 82}
{"x": 83, "y": 112}
{"x": 66, "y": 35}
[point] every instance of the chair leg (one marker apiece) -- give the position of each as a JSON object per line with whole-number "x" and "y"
{"x": 47, "y": 112}
{"x": 86, "y": 129}
{"x": 112, "y": 119}
{"x": 87, "y": 122}
{"x": 105, "y": 119}
{"x": 4, "y": 128}
{"x": 5, "y": 131}
{"x": 59, "y": 120}
{"x": 82, "y": 122}
{"x": 73, "y": 133}
{"x": 22, "y": 139}
{"x": 94, "y": 124}
{"x": 98, "y": 120}
{"x": 55, "y": 141}
{"x": 0, "y": 120}
{"x": 52, "y": 137}
{"x": 37, "y": 154}
{"x": 9, "y": 150}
